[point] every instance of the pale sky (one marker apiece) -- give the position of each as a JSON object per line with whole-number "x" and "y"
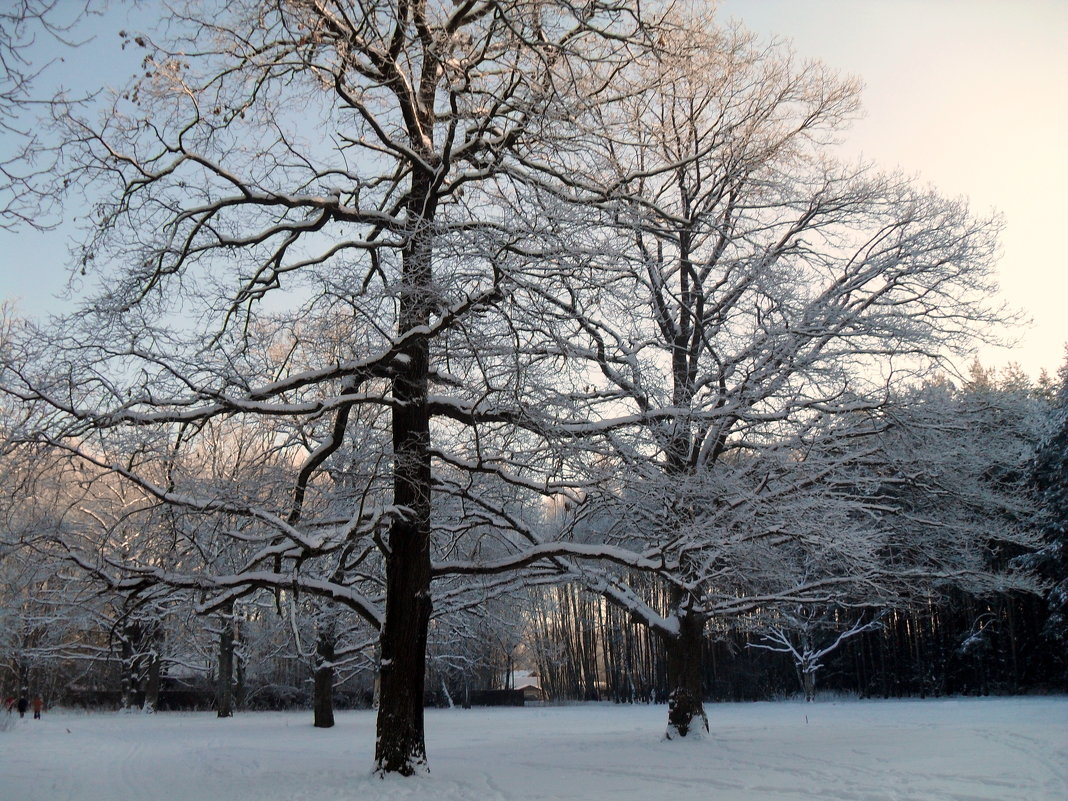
{"x": 971, "y": 96}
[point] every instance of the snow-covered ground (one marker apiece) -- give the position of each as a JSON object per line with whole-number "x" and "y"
{"x": 1003, "y": 749}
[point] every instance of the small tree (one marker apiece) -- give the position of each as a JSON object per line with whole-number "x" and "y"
{"x": 808, "y": 634}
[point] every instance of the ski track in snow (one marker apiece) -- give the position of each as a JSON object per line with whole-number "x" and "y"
{"x": 995, "y": 749}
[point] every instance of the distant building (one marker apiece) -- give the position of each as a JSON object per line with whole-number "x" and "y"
{"x": 530, "y": 685}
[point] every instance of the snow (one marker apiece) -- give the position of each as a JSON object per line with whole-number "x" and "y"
{"x": 949, "y": 750}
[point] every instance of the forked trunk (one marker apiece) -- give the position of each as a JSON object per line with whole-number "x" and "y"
{"x": 684, "y": 652}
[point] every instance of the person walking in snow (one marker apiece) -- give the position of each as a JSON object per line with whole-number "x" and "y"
{"x": 23, "y": 706}
{"x": 38, "y": 705}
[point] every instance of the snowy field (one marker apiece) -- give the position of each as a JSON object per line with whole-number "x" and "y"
{"x": 936, "y": 750}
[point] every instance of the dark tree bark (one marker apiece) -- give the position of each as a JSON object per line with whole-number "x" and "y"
{"x": 224, "y": 689}
{"x": 22, "y": 670}
{"x": 150, "y": 664}
{"x": 401, "y": 747}
{"x": 128, "y": 682}
{"x": 152, "y": 678}
{"x": 323, "y": 685}
{"x": 240, "y": 687}
{"x": 805, "y": 676}
{"x": 685, "y": 692}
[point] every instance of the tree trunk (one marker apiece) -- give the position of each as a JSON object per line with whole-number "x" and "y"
{"x": 127, "y": 682}
{"x": 240, "y": 686}
{"x": 807, "y": 668}
{"x": 224, "y": 687}
{"x": 151, "y": 703}
{"x": 685, "y": 707}
{"x": 152, "y": 662}
{"x": 323, "y": 686}
{"x": 401, "y": 747}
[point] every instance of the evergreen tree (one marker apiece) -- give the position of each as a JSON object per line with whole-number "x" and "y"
{"x": 1050, "y": 478}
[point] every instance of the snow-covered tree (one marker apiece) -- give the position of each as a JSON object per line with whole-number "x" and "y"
{"x": 24, "y": 26}
{"x": 808, "y": 634}
{"x": 738, "y": 311}
{"x": 376, "y": 279}
{"x": 1049, "y": 477}
{"x": 346, "y": 163}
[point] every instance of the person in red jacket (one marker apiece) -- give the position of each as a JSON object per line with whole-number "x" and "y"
{"x": 38, "y": 705}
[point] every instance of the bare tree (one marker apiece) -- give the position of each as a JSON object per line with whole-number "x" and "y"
{"x": 502, "y": 252}
{"x": 346, "y": 162}
{"x": 24, "y": 26}
{"x": 808, "y": 634}
{"x": 738, "y": 309}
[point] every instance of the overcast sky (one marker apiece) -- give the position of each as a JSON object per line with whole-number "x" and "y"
{"x": 969, "y": 95}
